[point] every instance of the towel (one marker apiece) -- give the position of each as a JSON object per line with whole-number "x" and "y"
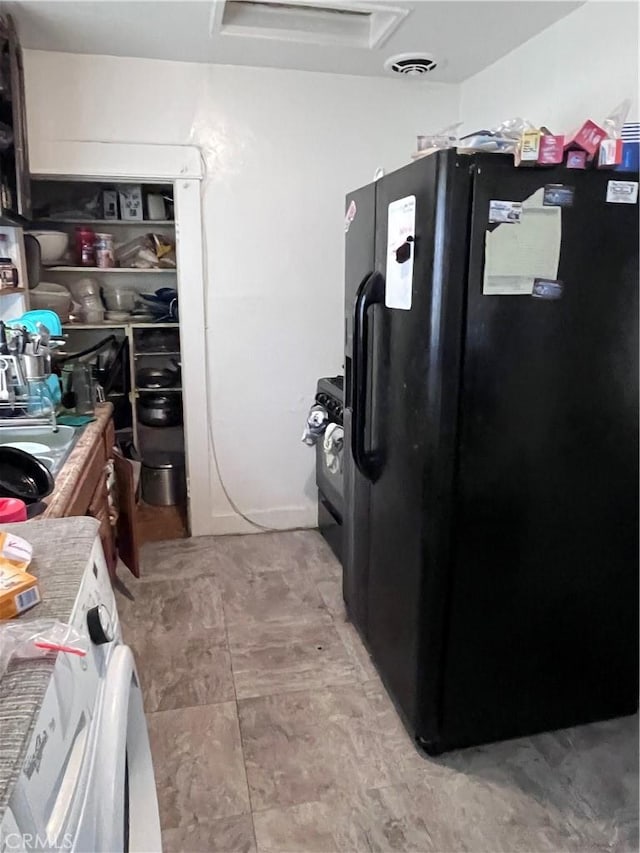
{"x": 316, "y": 424}
{"x": 332, "y": 445}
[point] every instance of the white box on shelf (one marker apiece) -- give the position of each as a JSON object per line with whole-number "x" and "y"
{"x": 110, "y": 204}
{"x": 131, "y": 202}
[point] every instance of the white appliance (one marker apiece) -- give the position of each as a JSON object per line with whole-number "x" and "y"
{"x": 87, "y": 782}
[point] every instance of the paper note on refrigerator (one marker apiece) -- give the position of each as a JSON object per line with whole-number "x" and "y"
{"x": 401, "y": 229}
{"x": 515, "y": 257}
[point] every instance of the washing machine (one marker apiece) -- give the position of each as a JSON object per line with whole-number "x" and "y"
{"x": 87, "y": 782}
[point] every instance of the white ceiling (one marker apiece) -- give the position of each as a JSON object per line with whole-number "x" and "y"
{"x": 463, "y": 36}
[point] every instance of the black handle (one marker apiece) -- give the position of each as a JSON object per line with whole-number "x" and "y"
{"x": 371, "y": 292}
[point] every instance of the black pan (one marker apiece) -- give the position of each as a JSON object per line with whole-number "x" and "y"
{"x": 157, "y": 377}
{"x": 23, "y": 476}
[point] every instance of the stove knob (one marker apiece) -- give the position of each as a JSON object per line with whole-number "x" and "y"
{"x": 100, "y": 625}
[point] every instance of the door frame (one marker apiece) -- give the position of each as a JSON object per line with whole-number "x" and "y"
{"x": 180, "y": 165}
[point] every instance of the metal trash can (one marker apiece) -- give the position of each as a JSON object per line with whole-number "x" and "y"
{"x": 163, "y": 479}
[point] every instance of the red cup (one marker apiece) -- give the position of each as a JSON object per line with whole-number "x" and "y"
{"x": 12, "y": 509}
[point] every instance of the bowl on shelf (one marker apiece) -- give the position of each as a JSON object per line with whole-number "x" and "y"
{"x": 83, "y": 288}
{"x": 118, "y": 298}
{"x": 53, "y": 245}
{"x": 51, "y": 296}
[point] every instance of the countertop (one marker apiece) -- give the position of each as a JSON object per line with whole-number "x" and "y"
{"x": 67, "y": 476}
{"x": 23, "y": 686}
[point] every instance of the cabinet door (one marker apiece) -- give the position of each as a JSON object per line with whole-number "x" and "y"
{"x": 99, "y": 509}
{"x": 22, "y": 202}
{"x": 127, "y": 534}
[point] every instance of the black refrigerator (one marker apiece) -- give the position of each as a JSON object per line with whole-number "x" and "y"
{"x": 491, "y": 428}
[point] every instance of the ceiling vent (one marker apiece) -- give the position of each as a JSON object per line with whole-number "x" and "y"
{"x": 411, "y": 64}
{"x": 322, "y": 22}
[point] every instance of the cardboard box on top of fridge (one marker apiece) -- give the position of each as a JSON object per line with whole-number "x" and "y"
{"x": 528, "y": 147}
{"x": 551, "y": 149}
{"x": 576, "y": 160}
{"x": 588, "y": 138}
{"x": 610, "y": 153}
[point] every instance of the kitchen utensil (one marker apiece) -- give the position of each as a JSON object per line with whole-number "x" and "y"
{"x": 53, "y": 245}
{"x": 4, "y": 385}
{"x": 39, "y": 402}
{"x": 163, "y": 480}
{"x": 158, "y": 377}
{"x": 68, "y": 396}
{"x": 33, "y": 366}
{"x": 160, "y": 410}
{"x": 84, "y": 389}
{"x": 33, "y": 260}
{"x": 23, "y": 476}
{"x": 15, "y": 374}
{"x": 56, "y": 647}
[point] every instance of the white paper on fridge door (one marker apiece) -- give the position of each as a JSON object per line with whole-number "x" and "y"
{"x": 401, "y": 224}
{"x": 514, "y": 257}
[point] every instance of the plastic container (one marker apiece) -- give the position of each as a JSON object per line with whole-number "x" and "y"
{"x": 55, "y": 297}
{"x": 12, "y": 509}
{"x": 104, "y": 251}
{"x": 163, "y": 480}
{"x": 118, "y": 298}
{"x": 85, "y": 247}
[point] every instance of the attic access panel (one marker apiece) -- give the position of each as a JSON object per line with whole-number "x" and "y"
{"x": 359, "y": 25}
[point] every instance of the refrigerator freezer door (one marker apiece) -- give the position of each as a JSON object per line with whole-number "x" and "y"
{"x": 415, "y": 380}
{"x": 360, "y": 223}
{"x": 543, "y": 620}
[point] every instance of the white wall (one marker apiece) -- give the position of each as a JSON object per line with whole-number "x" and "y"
{"x": 581, "y": 67}
{"x": 282, "y": 149}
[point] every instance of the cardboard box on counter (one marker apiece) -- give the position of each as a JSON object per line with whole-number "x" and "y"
{"x": 18, "y": 591}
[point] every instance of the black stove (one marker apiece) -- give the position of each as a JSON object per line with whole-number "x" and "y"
{"x": 330, "y": 394}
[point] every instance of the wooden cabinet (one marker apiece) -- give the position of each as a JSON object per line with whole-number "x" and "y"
{"x": 103, "y": 488}
{"x": 15, "y": 180}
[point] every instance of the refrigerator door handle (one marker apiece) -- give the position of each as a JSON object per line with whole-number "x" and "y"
{"x": 371, "y": 292}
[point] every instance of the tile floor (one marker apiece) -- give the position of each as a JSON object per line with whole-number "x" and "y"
{"x": 270, "y": 730}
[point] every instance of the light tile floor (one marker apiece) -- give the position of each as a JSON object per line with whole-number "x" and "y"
{"x": 271, "y": 731}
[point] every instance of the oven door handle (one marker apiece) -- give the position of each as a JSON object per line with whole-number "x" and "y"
{"x": 370, "y": 293}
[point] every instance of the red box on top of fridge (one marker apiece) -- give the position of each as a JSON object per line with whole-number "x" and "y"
{"x": 588, "y": 138}
{"x": 610, "y": 153}
{"x": 551, "y": 150}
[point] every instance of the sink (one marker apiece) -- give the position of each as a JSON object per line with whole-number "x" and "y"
{"x": 56, "y": 446}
